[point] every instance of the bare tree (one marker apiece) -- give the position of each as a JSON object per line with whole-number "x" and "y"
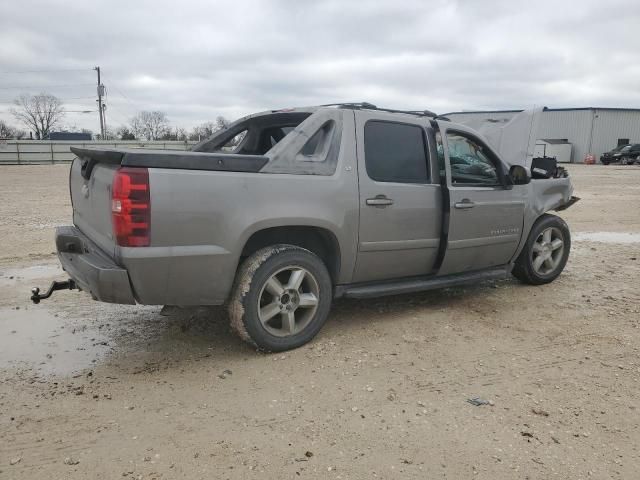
{"x": 125, "y": 133}
{"x": 150, "y": 125}
{"x": 221, "y": 122}
{"x": 38, "y": 112}
{"x": 202, "y": 131}
{"x": 207, "y": 129}
{"x": 175, "y": 134}
{"x": 7, "y": 131}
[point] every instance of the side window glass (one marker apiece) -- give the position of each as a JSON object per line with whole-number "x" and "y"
{"x": 395, "y": 152}
{"x": 470, "y": 163}
{"x": 440, "y": 150}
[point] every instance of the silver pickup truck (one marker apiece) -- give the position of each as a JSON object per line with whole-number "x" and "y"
{"x": 286, "y": 210}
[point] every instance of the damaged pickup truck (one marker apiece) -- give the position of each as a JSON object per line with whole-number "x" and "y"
{"x": 286, "y": 210}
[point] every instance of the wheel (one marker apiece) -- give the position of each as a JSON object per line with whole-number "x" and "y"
{"x": 546, "y": 252}
{"x": 624, "y": 161}
{"x": 605, "y": 162}
{"x": 281, "y": 298}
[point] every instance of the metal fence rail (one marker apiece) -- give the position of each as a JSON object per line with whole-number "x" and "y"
{"x": 33, "y": 152}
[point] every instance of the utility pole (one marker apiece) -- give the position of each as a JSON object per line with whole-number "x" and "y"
{"x": 101, "y": 106}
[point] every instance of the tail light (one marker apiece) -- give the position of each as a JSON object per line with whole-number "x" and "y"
{"x": 131, "y": 207}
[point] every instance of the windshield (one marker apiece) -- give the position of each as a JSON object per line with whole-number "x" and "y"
{"x": 625, "y": 148}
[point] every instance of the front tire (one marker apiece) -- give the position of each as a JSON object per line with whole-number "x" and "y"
{"x": 546, "y": 252}
{"x": 281, "y": 298}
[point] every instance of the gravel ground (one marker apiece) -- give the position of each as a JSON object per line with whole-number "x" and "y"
{"x": 90, "y": 390}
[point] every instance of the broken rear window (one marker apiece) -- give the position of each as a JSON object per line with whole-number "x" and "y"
{"x": 254, "y": 135}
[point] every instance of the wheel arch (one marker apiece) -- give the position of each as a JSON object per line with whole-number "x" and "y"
{"x": 319, "y": 240}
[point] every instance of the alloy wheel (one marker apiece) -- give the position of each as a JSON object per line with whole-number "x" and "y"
{"x": 547, "y": 251}
{"x": 288, "y": 301}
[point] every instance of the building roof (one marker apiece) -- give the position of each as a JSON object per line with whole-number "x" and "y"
{"x": 547, "y": 109}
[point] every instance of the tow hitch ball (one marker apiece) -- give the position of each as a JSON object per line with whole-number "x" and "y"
{"x": 36, "y": 296}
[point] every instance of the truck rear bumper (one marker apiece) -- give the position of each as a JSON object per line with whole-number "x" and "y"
{"x": 92, "y": 270}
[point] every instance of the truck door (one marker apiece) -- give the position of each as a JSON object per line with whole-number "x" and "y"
{"x": 400, "y": 207}
{"x": 486, "y": 216}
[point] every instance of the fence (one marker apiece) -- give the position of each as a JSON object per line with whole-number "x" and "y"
{"x": 32, "y": 152}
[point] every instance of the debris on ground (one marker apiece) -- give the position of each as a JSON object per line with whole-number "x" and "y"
{"x": 477, "y": 401}
{"x": 539, "y": 411}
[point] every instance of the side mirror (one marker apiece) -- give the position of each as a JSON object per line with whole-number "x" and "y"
{"x": 519, "y": 175}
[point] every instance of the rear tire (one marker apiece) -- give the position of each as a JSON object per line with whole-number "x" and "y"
{"x": 281, "y": 298}
{"x": 546, "y": 252}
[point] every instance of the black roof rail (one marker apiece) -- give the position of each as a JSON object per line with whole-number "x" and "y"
{"x": 371, "y": 106}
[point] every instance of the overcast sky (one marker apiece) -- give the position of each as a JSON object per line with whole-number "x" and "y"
{"x": 195, "y": 60}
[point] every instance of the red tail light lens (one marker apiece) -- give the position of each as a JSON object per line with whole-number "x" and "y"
{"x": 131, "y": 207}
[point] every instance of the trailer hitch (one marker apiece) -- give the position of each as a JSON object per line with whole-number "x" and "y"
{"x": 36, "y": 296}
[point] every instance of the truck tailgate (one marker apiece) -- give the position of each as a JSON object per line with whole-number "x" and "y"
{"x": 91, "y": 201}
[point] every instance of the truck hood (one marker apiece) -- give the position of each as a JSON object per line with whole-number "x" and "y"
{"x": 515, "y": 139}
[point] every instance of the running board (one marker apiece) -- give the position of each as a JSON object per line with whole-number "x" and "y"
{"x": 419, "y": 284}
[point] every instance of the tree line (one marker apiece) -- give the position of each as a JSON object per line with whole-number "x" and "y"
{"x": 44, "y": 113}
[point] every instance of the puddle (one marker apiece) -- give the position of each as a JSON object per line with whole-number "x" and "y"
{"x": 37, "y": 339}
{"x": 607, "y": 237}
{"x": 9, "y": 276}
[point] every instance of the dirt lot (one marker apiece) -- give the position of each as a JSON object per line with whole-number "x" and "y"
{"x": 101, "y": 391}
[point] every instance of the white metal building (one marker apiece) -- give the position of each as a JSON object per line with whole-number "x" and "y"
{"x": 588, "y": 130}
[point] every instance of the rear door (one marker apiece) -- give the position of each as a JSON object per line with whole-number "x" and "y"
{"x": 486, "y": 217}
{"x": 400, "y": 207}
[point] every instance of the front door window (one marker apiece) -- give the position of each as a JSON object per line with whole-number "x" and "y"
{"x": 470, "y": 162}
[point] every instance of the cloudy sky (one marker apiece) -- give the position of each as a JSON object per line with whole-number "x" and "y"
{"x": 195, "y": 60}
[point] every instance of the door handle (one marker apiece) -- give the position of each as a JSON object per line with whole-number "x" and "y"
{"x": 465, "y": 203}
{"x": 379, "y": 201}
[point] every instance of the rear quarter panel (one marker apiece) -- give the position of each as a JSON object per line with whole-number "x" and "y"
{"x": 201, "y": 221}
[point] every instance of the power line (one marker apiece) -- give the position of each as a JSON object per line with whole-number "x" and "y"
{"x": 8, "y": 101}
{"x": 23, "y": 87}
{"x": 126, "y": 98}
{"x": 120, "y": 115}
{"x": 11, "y": 72}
